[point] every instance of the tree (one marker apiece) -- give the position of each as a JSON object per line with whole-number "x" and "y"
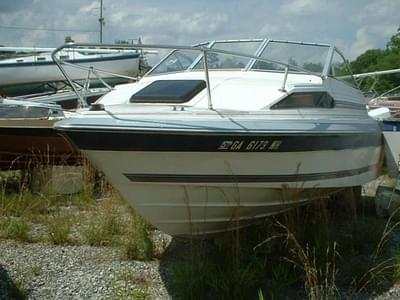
{"x": 374, "y": 60}
{"x": 68, "y": 39}
{"x": 394, "y": 43}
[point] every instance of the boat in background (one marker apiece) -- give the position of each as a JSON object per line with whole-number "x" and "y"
{"x": 391, "y": 102}
{"x": 66, "y": 98}
{"x": 223, "y": 133}
{"x": 20, "y": 75}
{"x": 386, "y": 109}
{"x": 28, "y": 138}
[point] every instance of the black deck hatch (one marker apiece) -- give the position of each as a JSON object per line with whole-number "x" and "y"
{"x": 168, "y": 91}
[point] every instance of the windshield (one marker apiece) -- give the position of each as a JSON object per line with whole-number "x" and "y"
{"x": 177, "y": 60}
{"x": 277, "y": 55}
{"x": 309, "y": 57}
{"x": 180, "y": 60}
{"x": 229, "y": 61}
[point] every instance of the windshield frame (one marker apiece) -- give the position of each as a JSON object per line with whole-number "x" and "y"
{"x": 253, "y": 58}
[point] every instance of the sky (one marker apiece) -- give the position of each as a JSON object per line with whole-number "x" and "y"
{"x": 354, "y": 26}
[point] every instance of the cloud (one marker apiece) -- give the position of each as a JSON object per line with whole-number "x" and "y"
{"x": 167, "y": 26}
{"x": 369, "y": 37}
{"x": 13, "y": 6}
{"x": 306, "y": 7}
{"x": 90, "y": 8}
{"x": 379, "y": 9}
{"x": 353, "y": 25}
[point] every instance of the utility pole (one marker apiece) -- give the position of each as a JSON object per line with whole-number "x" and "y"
{"x": 101, "y": 20}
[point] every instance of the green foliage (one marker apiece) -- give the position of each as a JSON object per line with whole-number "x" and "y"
{"x": 58, "y": 228}
{"x": 283, "y": 276}
{"x": 23, "y": 204}
{"x": 127, "y": 286}
{"x": 380, "y": 60}
{"x": 18, "y": 229}
{"x": 224, "y": 272}
{"x": 138, "y": 244}
{"x": 93, "y": 233}
{"x": 394, "y": 43}
{"x": 313, "y": 67}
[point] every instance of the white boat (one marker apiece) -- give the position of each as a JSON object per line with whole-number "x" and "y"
{"x": 206, "y": 145}
{"x": 40, "y": 67}
{"x": 66, "y": 98}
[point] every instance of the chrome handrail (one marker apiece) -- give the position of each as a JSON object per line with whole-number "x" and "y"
{"x": 205, "y": 62}
{"x": 91, "y": 70}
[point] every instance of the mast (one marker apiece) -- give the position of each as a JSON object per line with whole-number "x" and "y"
{"x": 101, "y": 20}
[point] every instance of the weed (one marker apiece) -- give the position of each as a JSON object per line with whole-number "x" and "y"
{"x": 93, "y": 233}
{"x": 18, "y": 229}
{"x": 36, "y": 270}
{"x": 127, "y": 287}
{"x": 319, "y": 279}
{"x": 24, "y": 204}
{"x": 112, "y": 224}
{"x": 217, "y": 271}
{"x": 105, "y": 225}
{"x": 283, "y": 277}
{"x": 22, "y": 280}
{"x": 260, "y": 295}
{"x": 376, "y": 277}
{"x": 138, "y": 244}
{"x": 58, "y": 228}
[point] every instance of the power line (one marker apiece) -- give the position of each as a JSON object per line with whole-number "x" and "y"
{"x": 43, "y": 29}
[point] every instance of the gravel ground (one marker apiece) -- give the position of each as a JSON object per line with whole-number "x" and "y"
{"x": 43, "y": 271}
{"x": 392, "y": 294}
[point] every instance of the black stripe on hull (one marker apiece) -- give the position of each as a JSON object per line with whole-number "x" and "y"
{"x": 220, "y": 142}
{"x": 191, "y": 178}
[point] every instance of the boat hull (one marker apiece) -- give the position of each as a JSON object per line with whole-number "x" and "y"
{"x": 185, "y": 193}
{"x": 35, "y": 72}
{"x": 28, "y": 143}
{"x": 202, "y": 174}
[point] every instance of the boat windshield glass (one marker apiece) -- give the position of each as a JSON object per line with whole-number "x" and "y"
{"x": 309, "y": 57}
{"x": 229, "y": 61}
{"x": 180, "y": 60}
{"x": 300, "y": 57}
{"x": 340, "y": 69}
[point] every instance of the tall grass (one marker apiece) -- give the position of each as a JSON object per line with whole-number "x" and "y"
{"x": 59, "y": 227}
{"x": 313, "y": 251}
{"x": 216, "y": 275}
{"x": 316, "y": 251}
{"x": 138, "y": 244}
{"x": 96, "y": 215}
{"x": 18, "y": 229}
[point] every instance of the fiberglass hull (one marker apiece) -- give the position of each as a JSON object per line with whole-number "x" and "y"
{"x": 187, "y": 181}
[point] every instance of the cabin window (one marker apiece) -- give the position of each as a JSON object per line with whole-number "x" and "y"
{"x": 20, "y": 60}
{"x": 169, "y": 91}
{"x": 64, "y": 57}
{"x": 41, "y": 58}
{"x": 306, "y": 100}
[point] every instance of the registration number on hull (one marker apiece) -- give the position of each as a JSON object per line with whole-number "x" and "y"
{"x": 241, "y": 145}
